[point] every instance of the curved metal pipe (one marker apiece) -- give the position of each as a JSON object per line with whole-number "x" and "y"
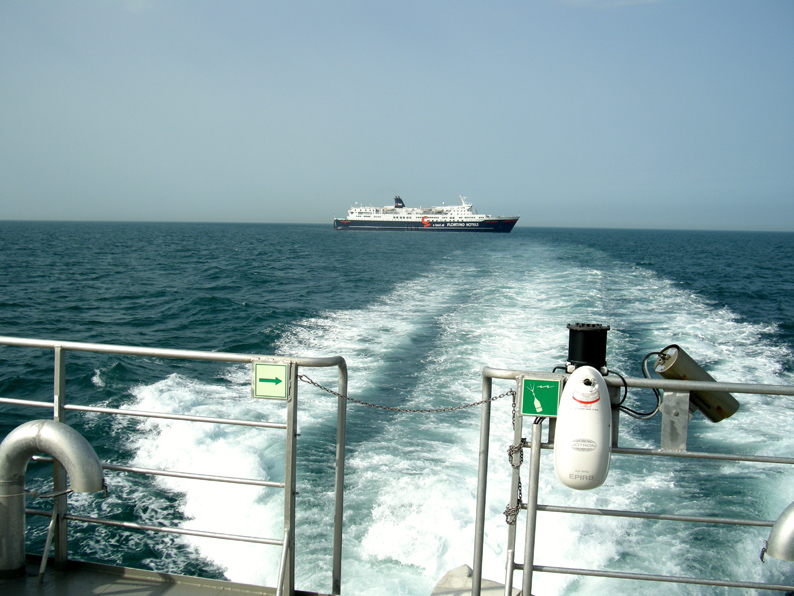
{"x": 38, "y": 436}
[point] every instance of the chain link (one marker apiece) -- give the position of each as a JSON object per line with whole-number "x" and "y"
{"x": 512, "y": 450}
{"x": 306, "y": 379}
{"x": 511, "y": 513}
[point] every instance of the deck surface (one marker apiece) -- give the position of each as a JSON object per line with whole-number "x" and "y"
{"x": 88, "y": 579}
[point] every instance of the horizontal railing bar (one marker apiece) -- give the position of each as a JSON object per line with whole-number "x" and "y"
{"x": 174, "y": 474}
{"x": 26, "y": 402}
{"x": 167, "y": 353}
{"x": 228, "y": 479}
{"x": 145, "y": 414}
{"x": 189, "y": 418}
{"x": 161, "y": 529}
{"x": 657, "y": 516}
{"x": 500, "y": 373}
{"x": 676, "y": 385}
{"x": 763, "y": 459}
{"x": 659, "y": 578}
{"x": 667, "y": 384}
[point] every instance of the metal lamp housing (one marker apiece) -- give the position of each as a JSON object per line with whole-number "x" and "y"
{"x": 781, "y": 539}
{"x": 675, "y": 363}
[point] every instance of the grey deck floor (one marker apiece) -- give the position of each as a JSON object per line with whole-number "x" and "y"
{"x": 87, "y": 579}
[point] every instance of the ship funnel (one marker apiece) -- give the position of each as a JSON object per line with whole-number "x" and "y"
{"x": 64, "y": 444}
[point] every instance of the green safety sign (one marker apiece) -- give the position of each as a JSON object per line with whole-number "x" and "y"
{"x": 269, "y": 380}
{"x": 540, "y": 394}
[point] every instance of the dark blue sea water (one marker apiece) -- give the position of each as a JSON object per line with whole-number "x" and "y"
{"x": 416, "y": 317}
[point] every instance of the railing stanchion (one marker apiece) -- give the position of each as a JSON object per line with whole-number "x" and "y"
{"x": 532, "y": 506}
{"x": 60, "y": 537}
{"x": 290, "y": 478}
{"x": 482, "y": 481}
{"x": 339, "y": 481}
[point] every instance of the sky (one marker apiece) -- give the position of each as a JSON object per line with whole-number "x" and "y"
{"x": 675, "y": 114}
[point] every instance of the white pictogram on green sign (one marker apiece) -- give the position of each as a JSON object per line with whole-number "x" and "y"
{"x": 540, "y": 394}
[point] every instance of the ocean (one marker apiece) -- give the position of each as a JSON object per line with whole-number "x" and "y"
{"x": 417, "y": 317}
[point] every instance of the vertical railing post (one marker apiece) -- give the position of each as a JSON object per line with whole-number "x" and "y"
{"x": 339, "y": 481}
{"x": 290, "y": 478}
{"x": 516, "y": 457}
{"x": 532, "y": 506}
{"x": 60, "y": 539}
{"x": 482, "y": 486}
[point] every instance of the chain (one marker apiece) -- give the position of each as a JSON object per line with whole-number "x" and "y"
{"x": 306, "y": 379}
{"x": 511, "y": 513}
{"x": 512, "y": 450}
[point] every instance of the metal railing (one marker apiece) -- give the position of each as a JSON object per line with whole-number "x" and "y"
{"x": 672, "y": 444}
{"x": 60, "y": 407}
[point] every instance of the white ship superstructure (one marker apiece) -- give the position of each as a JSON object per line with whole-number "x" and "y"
{"x": 444, "y": 218}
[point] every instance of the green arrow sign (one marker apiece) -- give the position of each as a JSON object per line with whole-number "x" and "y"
{"x": 268, "y": 380}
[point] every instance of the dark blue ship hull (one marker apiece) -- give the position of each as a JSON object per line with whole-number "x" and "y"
{"x": 503, "y": 226}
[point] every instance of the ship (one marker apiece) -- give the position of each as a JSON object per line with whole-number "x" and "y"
{"x": 445, "y": 218}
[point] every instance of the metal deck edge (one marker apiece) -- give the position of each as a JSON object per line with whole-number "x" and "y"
{"x": 151, "y": 577}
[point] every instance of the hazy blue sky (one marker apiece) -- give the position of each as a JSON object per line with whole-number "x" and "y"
{"x": 667, "y": 114}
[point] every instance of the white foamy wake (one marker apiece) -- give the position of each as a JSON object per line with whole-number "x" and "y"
{"x": 411, "y": 478}
{"x": 234, "y": 451}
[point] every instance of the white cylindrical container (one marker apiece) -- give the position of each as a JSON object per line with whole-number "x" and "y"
{"x": 583, "y": 439}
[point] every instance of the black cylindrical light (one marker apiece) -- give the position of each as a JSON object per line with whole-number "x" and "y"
{"x": 587, "y": 345}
